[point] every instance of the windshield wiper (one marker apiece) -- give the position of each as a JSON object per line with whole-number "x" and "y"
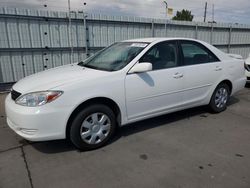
{"x": 81, "y": 63}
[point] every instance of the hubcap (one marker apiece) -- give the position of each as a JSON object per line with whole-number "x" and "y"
{"x": 95, "y": 128}
{"x": 221, "y": 97}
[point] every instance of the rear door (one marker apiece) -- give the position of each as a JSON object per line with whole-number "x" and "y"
{"x": 202, "y": 70}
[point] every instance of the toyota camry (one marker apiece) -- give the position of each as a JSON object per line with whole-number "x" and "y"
{"x": 126, "y": 82}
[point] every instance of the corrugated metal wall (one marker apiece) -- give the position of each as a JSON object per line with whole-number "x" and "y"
{"x": 35, "y": 40}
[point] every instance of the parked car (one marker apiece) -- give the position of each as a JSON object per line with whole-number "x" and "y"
{"x": 247, "y": 67}
{"x": 126, "y": 82}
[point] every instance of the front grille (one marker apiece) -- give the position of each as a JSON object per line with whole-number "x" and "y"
{"x": 15, "y": 94}
{"x": 248, "y": 78}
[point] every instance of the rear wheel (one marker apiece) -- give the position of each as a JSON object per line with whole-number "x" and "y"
{"x": 220, "y": 98}
{"x": 92, "y": 127}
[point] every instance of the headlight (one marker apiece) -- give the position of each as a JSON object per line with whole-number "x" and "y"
{"x": 247, "y": 67}
{"x": 38, "y": 98}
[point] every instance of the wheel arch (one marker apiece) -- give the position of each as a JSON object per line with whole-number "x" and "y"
{"x": 97, "y": 100}
{"x": 229, "y": 83}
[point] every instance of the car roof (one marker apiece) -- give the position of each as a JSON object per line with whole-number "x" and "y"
{"x": 150, "y": 40}
{"x": 217, "y": 52}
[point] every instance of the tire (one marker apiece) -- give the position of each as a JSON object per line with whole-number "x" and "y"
{"x": 220, "y": 98}
{"x": 92, "y": 127}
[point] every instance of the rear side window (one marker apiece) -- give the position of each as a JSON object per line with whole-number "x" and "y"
{"x": 195, "y": 53}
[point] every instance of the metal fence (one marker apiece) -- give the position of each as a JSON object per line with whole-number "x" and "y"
{"x": 35, "y": 40}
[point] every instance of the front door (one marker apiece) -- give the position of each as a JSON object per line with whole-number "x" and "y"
{"x": 159, "y": 90}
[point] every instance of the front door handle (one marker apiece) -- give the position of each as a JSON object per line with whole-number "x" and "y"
{"x": 218, "y": 68}
{"x": 178, "y": 75}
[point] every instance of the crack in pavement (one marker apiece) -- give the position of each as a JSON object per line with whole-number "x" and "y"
{"x": 9, "y": 149}
{"x": 27, "y": 167}
{"x": 24, "y": 159}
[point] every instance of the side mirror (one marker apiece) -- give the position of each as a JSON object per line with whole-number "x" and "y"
{"x": 141, "y": 67}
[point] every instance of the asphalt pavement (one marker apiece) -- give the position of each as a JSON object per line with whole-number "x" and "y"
{"x": 192, "y": 149}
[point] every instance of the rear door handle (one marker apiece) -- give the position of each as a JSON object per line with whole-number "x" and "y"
{"x": 218, "y": 68}
{"x": 178, "y": 75}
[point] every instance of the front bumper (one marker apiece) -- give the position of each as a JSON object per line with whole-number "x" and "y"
{"x": 36, "y": 123}
{"x": 248, "y": 76}
{"x": 248, "y": 79}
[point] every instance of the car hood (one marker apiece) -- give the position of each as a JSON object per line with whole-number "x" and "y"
{"x": 248, "y": 60}
{"x": 55, "y": 77}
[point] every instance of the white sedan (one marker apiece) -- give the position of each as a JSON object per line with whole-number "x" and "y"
{"x": 124, "y": 83}
{"x": 247, "y": 66}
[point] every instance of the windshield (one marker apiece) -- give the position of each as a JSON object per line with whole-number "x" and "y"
{"x": 114, "y": 57}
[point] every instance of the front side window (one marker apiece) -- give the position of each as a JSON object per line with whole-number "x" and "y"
{"x": 162, "y": 56}
{"x": 196, "y": 54}
{"x": 114, "y": 57}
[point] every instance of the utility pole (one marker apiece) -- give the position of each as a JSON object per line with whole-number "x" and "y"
{"x": 85, "y": 29}
{"x": 205, "y": 12}
{"x": 70, "y": 33}
{"x": 166, "y": 4}
{"x": 166, "y": 8}
{"x": 213, "y": 13}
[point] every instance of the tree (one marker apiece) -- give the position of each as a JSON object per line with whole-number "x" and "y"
{"x": 184, "y": 15}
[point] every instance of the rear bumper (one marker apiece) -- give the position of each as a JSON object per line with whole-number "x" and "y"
{"x": 36, "y": 123}
{"x": 238, "y": 85}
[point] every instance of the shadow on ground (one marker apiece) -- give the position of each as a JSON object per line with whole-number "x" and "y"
{"x": 60, "y": 146}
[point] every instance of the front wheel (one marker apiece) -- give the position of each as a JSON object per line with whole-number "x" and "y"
{"x": 92, "y": 127}
{"x": 220, "y": 98}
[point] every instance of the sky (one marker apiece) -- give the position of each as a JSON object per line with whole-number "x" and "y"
{"x": 224, "y": 10}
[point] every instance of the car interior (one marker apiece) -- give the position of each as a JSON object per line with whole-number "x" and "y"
{"x": 161, "y": 56}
